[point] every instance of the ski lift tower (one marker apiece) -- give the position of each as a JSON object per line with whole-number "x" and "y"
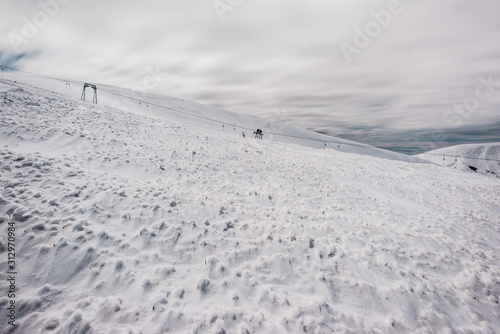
{"x": 95, "y": 92}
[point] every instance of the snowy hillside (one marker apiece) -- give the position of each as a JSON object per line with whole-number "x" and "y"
{"x": 480, "y": 158}
{"x": 202, "y": 116}
{"x": 126, "y": 223}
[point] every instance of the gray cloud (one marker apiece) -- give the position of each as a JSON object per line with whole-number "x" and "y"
{"x": 282, "y": 59}
{"x": 11, "y": 60}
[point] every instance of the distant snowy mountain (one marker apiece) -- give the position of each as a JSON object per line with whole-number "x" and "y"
{"x": 116, "y": 221}
{"x": 479, "y": 158}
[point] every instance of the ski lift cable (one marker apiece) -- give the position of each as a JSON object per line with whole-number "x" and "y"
{"x": 235, "y": 125}
{"x": 273, "y": 133}
{"x": 463, "y": 157}
{"x": 41, "y": 75}
{"x": 172, "y": 109}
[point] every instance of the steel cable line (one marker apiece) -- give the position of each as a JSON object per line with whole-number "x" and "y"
{"x": 459, "y": 156}
{"x": 242, "y": 127}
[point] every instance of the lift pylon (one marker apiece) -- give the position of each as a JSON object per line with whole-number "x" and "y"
{"x": 94, "y": 87}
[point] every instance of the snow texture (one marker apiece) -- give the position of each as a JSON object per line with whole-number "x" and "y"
{"x": 128, "y": 222}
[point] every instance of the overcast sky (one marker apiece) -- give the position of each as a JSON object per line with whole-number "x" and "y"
{"x": 403, "y": 74}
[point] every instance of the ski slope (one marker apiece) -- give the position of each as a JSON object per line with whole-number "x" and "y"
{"x": 202, "y": 116}
{"x": 475, "y": 158}
{"x": 131, "y": 222}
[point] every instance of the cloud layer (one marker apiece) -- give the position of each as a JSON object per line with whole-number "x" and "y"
{"x": 413, "y": 68}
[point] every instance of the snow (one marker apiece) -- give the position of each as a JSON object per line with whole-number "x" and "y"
{"x": 479, "y": 158}
{"x": 202, "y": 117}
{"x": 132, "y": 222}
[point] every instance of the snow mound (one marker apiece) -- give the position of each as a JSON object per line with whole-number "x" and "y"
{"x": 479, "y": 158}
{"x": 128, "y": 223}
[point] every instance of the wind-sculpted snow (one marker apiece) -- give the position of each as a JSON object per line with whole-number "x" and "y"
{"x": 133, "y": 224}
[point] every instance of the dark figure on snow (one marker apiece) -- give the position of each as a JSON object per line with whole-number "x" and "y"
{"x": 258, "y": 134}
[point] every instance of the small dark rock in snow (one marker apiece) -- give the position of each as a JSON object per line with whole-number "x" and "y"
{"x": 311, "y": 243}
{"x": 119, "y": 265}
{"x": 228, "y": 226}
{"x": 173, "y": 204}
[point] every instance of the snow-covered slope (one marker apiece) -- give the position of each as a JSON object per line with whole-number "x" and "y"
{"x": 480, "y": 158}
{"x": 127, "y": 223}
{"x": 202, "y": 116}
